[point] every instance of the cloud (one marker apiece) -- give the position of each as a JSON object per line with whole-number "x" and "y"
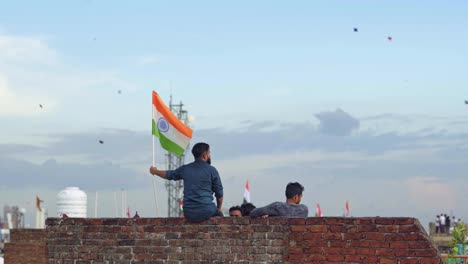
{"x": 21, "y": 104}
{"x": 25, "y": 50}
{"x": 53, "y": 174}
{"x": 431, "y": 191}
{"x": 366, "y": 168}
{"x": 338, "y": 123}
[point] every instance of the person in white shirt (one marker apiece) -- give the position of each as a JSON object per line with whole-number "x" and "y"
{"x": 437, "y": 224}
{"x": 442, "y": 223}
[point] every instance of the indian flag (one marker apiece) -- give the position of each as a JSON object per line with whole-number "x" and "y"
{"x": 346, "y": 209}
{"x": 173, "y": 135}
{"x": 247, "y": 192}
{"x": 181, "y": 208}
{"x": 319, "y": 211}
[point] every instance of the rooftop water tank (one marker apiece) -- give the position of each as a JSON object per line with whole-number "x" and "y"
{"x": 72, "y": 202}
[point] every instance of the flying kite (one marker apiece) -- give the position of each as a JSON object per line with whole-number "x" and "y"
{"x": 119, "y": 91}
{"x": 389, "y": 38}
{"x": 355, "y": 30}
{"x": 466, "y": 102}
{"x": 40, "y": 106}
{"x": 100, "y": 141}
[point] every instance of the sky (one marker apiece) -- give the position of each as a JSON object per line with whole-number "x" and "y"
{"x": 282, "y": 91}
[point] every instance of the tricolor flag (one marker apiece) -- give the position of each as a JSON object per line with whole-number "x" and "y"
{"x": 247, "y": 192}
{"x": 319, "y": 211}
{"x": 346, "y": 209}
{"x": 173, "y": 135}
{"x": 181, "y": 208}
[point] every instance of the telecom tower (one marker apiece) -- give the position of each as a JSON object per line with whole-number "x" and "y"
{"x": 175, "y": 188}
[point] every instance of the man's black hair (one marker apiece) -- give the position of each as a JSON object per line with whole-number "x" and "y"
{"x": 293, "y": 189}
{"x": 235, "y": 208}
{"x": 199, "y": 148}
{"x": 247, "y": 208}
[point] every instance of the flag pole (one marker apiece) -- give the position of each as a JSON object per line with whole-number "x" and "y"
{"x": 152, "y": 159}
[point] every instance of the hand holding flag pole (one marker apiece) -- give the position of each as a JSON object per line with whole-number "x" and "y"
{"x": 152, "y": 162}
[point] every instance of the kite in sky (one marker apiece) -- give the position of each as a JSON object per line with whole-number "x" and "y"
{"x": 389, "y": 38}
{"x": 100, "y": 141}
{"x": 355, "y": 30}
{"x": 40, "y": 105}
{"x": 466, "y": 102}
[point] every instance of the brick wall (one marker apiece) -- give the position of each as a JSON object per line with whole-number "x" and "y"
{"x": 293, "y": 240}
{"x": 26, "y": 246}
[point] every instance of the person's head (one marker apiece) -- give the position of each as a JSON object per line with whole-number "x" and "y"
{"x": 202, "y": 151}
{"x": 294, "y": 192}
{"x": 235, "y": 211}
{"x": 247, "y": 208}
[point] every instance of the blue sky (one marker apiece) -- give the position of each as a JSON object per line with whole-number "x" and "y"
{"x": 253, "y": 69}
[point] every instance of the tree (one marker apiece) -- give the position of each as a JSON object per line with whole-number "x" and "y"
{"x": 459, "y": 236}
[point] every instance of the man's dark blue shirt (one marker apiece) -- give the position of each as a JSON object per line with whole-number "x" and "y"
{"x": 201, "y": 180}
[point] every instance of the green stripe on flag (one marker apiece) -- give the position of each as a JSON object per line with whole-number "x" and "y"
{"x": 166, "y": 143}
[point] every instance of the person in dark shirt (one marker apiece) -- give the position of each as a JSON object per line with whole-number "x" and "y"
{"x": 247, "y": 208}
{"x": 235, "y": 211}
{"x": 291, "y": 208}
{"x": 201, "y": 181}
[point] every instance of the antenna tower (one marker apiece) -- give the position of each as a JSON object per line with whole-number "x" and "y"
{"x": 175, "y": 188}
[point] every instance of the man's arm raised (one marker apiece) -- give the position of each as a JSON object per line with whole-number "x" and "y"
{"x": 155, "y": 171}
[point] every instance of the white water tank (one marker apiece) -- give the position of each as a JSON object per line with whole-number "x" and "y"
{"x": 72, "y": 202}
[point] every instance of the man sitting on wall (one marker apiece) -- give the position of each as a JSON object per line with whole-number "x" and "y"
{"x": 291, "y": 208}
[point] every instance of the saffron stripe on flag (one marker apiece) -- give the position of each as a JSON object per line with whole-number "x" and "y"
{"x": 170, "y": 117}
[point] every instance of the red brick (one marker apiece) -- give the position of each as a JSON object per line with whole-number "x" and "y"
{"x": 295, "y": 250}
{"x": 337, "y": 243}
{"x": 385, "y": 252}
{"x": 399, "y": 245}
{"x": 365, "y": 251}
{"x": 318, "y": 228}
{"x": 364, "y": 221}
{"x": 388, "y": 261}
{"x": 375, "y": 236}
{"x": 353, "y": 236}
{"x": 313, "y": 236}
{"x": 403, "y": 253}
{"x": 300, "y": 228}
{"x": 313, "y": 250}
{"x": 360, "y": 243}
{"x": 332, "y": 236}
{"x": 409, "y": 261}
{"x": 296, "y": 221}
{"x": 430, "y": 261}
{"x": 332, "y": 251}
{"x": 337, "y": 220}
{"x": 315, "y": 221}
{"x": 316, "y": 243}
{"x": 353, "y": 258}
{"x": 408, "y": 228}
{"x": 335, "y": 258}
{"x": 384, "y": 221}
{"x": 337, "y": 229}
{"x": 379, "y": 244}
{"x": 370, "y": 259}
{"x": 420, "y": 245}
{"x": 423, "y": 252}
{"x": 314, "y": 257}
{"x": 387, "y": 229}
{"x": 404, "y": 221}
